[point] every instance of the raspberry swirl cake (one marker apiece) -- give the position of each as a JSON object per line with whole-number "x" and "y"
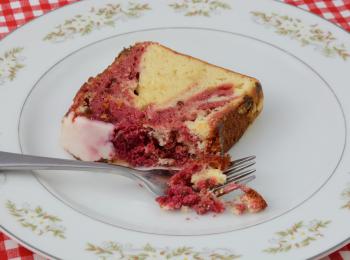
{"x": 155, "y": 107}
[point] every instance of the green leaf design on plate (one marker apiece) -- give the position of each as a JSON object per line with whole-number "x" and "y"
{"x": 96, "y": 18}
{"x": 297, "y": 236}
{"x": 346, "y": 197}
{"x": 199, "y": 7}
{"x": 36, "y": 219}
{"x": 114, "y": 250}
{"x": 307, "y": 35}
{"x": 10, "y": 64}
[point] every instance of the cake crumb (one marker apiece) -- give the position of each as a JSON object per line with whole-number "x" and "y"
{"x": 185, "y": 208}
{"x": 238, "y": 208}
{"x": 253, "y": 201}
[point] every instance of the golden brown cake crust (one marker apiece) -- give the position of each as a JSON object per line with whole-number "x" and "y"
{"x": 235, "y": 120}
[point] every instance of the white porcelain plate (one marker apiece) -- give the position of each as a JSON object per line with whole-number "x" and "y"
{"x": 300, "y": 139}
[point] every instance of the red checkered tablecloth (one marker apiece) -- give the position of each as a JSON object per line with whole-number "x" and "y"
{"x": 14, "y": 13}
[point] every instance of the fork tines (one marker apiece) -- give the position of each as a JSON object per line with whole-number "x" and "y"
{"x": 237, "y": 173}
{"x": 239, "y": 165}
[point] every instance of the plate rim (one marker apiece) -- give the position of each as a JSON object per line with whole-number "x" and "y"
{"x": 79, "y": 1}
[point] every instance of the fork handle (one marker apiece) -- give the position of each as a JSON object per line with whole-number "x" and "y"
{"x": 15, "y": 161}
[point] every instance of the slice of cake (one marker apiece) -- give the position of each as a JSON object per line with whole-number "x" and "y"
{"x": 155, "y": 107}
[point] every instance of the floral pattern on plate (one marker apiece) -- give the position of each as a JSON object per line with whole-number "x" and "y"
{"x": 113, "y": 250}
{"x": 11, "y": 62}
{"x": 323, "y": 41}
{"x": 346, "y": 197}
{"x": 96, "y": 18}
{"x": 36, "y": 219}
{"x": 299, "y": 235}
{"x": 199, "y": 7}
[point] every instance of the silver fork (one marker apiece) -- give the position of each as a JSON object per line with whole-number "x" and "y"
{"x": 154, "y": 179}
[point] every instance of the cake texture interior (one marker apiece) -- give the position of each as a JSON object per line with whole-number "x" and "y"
{"x": 155, "y": 107}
